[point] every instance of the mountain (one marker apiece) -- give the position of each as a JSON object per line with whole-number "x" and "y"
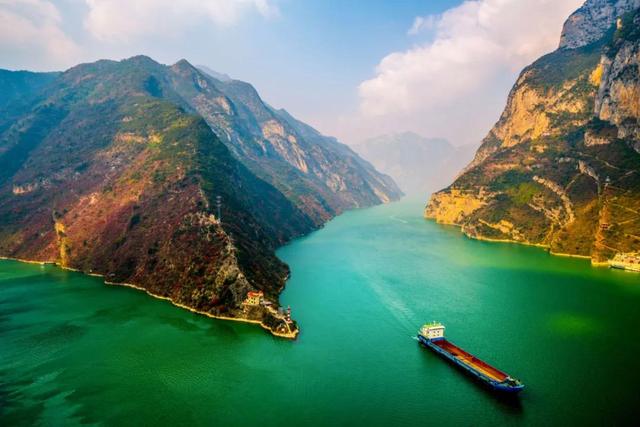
{"x": 17, "y": 90}
{"x": 213, "y": 73}
{"x": 317, "y": 173}
{"x": 109, "y": 170}
{"x": 419, "y": 165}
{"x": 22, "y": 85}
{"x": 592, "y": 21}
{"x": 561, "y": 168}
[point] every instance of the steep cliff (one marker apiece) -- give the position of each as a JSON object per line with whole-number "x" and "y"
{"x": 561, "y": 167}
{"x": 318, "y": 174}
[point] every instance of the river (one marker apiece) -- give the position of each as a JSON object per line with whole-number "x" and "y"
{"x": 74, "y": 351}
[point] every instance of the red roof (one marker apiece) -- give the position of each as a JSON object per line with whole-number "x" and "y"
{"x": 254, "y": 294}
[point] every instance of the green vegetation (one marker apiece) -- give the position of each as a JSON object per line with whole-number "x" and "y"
{"x": 629, "y": 31}
{"x": 19, "y": 89}
{"x": 523, "y": 193}
{"x": 602, "y": 127}
{"x": 509, "y": 179}
{"x": 24, "y": 136}
{"x": 553, "y": 70}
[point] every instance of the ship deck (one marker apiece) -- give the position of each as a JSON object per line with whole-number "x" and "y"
{"x": 471, "y": 360}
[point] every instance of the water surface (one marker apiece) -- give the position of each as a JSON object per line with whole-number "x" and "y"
{"x": 75, "y": 351}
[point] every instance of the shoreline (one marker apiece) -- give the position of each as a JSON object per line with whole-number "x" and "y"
{"x": 547, "y": 248}
{"x": 27, "y": 261}
{"x": 290, "y": 336}
{"x": 566, "y": 255}
{"x": 489, "y": 239}
{"x": 193, "y": 310}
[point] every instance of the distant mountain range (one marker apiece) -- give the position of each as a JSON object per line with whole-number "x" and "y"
{"x": 213, "y": 73}
{"x": 419, "y": 165}
{"x": 561, "y": 168}
{"x": 115, "y": 168}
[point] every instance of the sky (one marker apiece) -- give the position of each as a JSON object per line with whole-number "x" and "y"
{"x": 353, "y": 69}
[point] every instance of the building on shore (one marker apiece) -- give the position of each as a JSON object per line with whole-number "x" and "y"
{"x": 254, "y": 298}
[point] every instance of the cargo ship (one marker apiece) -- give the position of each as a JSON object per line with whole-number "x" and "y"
{"x": 431, "y": 335}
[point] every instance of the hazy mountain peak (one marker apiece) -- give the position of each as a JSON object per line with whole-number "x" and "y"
{"x": 407, "y": 137}
{"x": 141, "y": 59}
{"x": 183, "y": 63}
{"x": 418, "y": 164}
{"x": 215, "y": 74}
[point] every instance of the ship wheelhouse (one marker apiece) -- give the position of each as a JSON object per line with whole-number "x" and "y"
{"x": 432, "y": 331}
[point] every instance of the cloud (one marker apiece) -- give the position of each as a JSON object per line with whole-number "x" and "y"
{"x": 31, "y": 33}
{"x": 477, "y": 49}
{"x": 123, "y": 20}
{"x": 423, "y": 23}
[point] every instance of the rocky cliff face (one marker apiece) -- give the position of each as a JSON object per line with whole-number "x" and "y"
{"x": 561, "y": 166}
{"x": 590, "y": 23}
{"x": 318, "y": 174}
{"x": 110, "y": 170}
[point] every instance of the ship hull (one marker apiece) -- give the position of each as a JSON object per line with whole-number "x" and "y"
{"x": 473, "y": 366}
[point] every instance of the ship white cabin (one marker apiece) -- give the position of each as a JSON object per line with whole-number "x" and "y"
{"x": 432, "y": 330}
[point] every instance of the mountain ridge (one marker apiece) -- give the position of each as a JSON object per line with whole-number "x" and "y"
{"x": 276, "y": 147}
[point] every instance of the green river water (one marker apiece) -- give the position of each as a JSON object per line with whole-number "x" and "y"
{"x": 75, "y": 351}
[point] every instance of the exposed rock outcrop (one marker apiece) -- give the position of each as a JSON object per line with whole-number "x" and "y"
{"x": 318, "y": 174}
{"x": 590, "y": 23}
{"x": 561, "y": 167}
{"x": 454, "y": 206}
